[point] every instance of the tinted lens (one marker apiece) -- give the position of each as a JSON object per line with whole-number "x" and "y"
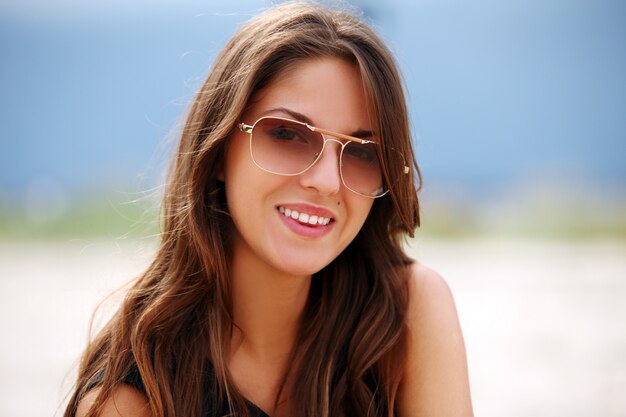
{"x": 284, "y": 147}
{"x": 360, "y": 169}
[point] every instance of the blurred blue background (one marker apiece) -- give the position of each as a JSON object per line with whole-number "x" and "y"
{"x": 518, "y": 108}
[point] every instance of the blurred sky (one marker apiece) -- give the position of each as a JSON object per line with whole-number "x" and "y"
{"x": 502, "y": 93}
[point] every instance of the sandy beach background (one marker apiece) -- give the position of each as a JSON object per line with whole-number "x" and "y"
{"x": 543, "y": 319}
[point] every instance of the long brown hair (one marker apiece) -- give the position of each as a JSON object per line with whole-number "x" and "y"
{"x": 175, "y": 323}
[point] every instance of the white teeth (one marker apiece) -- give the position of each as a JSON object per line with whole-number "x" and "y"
{"x": 304, "y": 217}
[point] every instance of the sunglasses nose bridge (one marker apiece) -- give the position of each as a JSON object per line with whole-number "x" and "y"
{"x": 324, "y": 173}
{"x": 329, "y": 138}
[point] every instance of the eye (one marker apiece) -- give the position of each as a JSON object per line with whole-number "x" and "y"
{"x": 361, "y": 153}
{"x": 283, "y": 133}
{"x": 287, "y": 134}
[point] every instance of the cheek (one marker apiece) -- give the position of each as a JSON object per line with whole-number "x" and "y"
{"x": 359, "y": 211}
{"x": 233, "y": 173}
{"x": 237, "y": 162}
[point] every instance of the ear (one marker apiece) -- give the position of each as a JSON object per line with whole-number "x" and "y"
{"x": 220, "y": 162}
{"x": 221, "y": 157}
{"x": 219, "y": 170}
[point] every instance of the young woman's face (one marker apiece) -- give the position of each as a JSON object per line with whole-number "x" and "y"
{"x": 327, "y": 92}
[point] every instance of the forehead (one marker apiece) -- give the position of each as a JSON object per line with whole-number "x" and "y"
{"x": 328, "y": 91}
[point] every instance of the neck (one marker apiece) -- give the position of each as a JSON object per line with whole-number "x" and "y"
{"x": 267, "y": 307}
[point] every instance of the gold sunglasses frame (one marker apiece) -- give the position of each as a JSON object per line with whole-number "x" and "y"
{"x": 324, "y": 133}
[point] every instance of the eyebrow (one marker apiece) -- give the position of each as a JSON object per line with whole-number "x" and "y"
{"x": 361, "y": 133}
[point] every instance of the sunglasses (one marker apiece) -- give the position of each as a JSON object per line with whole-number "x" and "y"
{"x": 289, "y": 147}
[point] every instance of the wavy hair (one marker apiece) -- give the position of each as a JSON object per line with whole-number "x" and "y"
{"x": 175, "y": 323}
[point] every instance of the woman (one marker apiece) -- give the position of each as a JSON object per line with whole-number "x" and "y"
{"x": 280, "y": 286}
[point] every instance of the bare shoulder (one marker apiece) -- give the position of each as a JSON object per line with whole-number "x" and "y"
{"x": 125, "y": 401}
{"x": 435, "y": 381}
{"x": 429, "y": 294}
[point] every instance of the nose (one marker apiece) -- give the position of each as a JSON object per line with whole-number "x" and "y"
{"x": 324, "y": 176}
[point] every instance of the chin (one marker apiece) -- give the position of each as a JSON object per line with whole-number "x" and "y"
{"x": 296, "y": 260}
{"x": 303, "y": 269}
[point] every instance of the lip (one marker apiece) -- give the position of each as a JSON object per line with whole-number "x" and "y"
{"x": 309, "y": 231}
{"x": 310, "y": 209}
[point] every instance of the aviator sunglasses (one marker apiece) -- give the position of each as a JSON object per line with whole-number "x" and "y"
{"x": 289, "y": 147}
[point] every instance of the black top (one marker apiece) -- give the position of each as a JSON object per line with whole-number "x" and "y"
{"x": 133, "y": 378}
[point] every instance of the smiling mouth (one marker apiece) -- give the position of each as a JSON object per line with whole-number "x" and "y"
{"x": 305, "y": 218}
